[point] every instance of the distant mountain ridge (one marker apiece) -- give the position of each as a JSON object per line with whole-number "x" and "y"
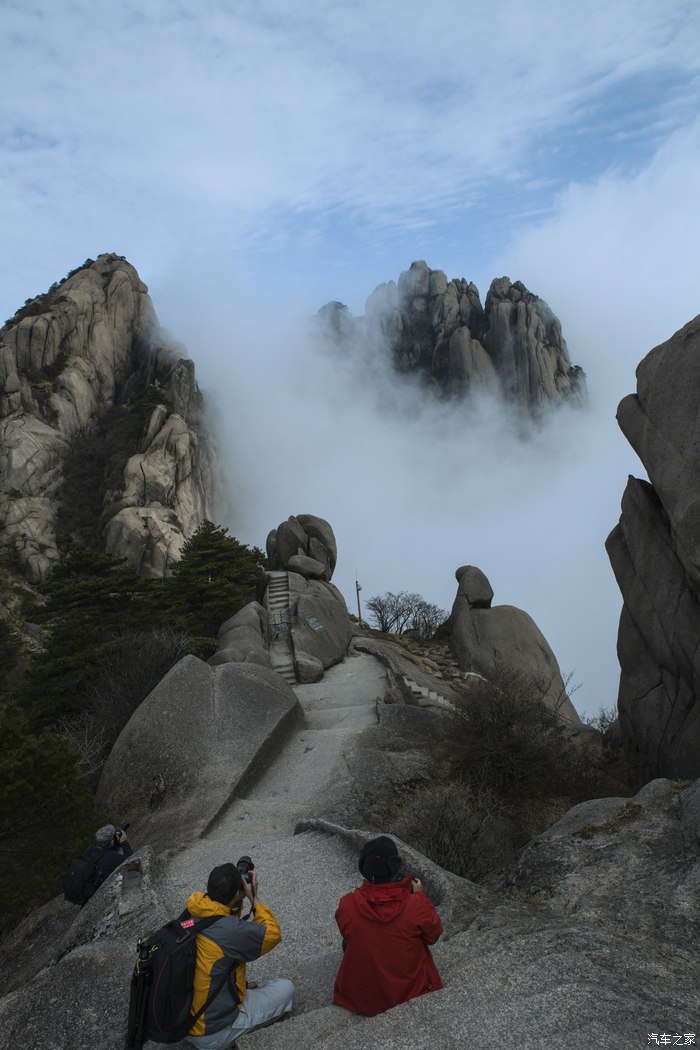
{"x": 512, "y": 348}
{"x": 101, "y": 426}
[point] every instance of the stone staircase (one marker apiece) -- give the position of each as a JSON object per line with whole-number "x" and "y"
{"x": 279, "y": 625}
{"x": 427, "y": 697}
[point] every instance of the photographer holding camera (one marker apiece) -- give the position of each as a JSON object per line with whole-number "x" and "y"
{"x": 387, "y": 926}
{"x": 228, "y": 944}
{"x": 86, "y": 874}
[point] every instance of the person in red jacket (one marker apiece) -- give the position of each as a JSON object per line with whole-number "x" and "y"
{"x": 386, "y": 925}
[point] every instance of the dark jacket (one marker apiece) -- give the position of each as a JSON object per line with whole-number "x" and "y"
{"x": 107, "y": 860}
{"x": 387, "y": 961}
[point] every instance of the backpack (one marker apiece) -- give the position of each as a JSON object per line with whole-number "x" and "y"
{"x": 81, "y": 879}
{"x": 162, "y": 984}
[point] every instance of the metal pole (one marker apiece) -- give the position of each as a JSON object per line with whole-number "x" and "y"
{"x": 359, "y": 614}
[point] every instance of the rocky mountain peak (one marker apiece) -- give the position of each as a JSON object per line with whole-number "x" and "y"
{"x": 100, "y": 424}
{"x": 438, "y": 330}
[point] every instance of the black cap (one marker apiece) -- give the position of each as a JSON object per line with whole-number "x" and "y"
{"x": 379, "y": 860}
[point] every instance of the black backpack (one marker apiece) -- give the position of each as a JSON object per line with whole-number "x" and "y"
{"x": 162, "y": 984}
{"x": 81, "y": 879}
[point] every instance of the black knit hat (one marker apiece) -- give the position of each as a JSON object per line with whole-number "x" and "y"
{"x": 379, "y": 860}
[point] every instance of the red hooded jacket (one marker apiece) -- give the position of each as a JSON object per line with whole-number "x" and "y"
{"x": 387, "y": 930}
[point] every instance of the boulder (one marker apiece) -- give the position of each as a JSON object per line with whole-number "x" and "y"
{"x": 321, "y": 627}
{"x": 655, "y": 554}
{"x": 243, "y": 638}
{"x": 484, "y": 638}
{"x": 184, "y": 752}
{"x": 303, "y": 544}
{"x": 474, "y": 587}
{"x": 310, "y": 568}
{"x": 308, "y": 668}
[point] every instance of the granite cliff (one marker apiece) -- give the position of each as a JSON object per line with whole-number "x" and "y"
{"x": 100, "y": 426}
{"x": 655, "y": 554}
{"x": 511, "y": 348}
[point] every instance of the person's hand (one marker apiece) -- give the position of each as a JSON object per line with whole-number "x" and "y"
{"x": 251, "y": 888}
{"x": 121, "y": 838}
{"x": 416, "y": 885}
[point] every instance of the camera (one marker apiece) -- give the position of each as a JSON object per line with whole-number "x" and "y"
{"x": 120, "y": 827}
{"x": 246, "y": 867}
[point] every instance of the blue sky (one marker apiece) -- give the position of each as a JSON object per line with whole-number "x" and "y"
{"x": 255, "y": 160}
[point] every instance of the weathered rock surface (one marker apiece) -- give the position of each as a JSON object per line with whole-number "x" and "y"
{"x": 655, "y": 554}
{"x": 512, "y": 348}
{"x": 181, "y": 756}
{"x": 589, "y": 940}
{"x": 303, "y": 544}
{"x": 243, "y": 638}
{"x": 320, "y": 626}
{"x": 89, "y": 347}
{"x": 484, "y": 638}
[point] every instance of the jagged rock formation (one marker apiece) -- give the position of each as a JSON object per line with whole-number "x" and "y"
{"x": 512, "y": 348}
{"x": 302, "y": 626}
{"x": 485, "y": 638}
{"x": 655, "y": 554}
{"x": 85, "y": 379}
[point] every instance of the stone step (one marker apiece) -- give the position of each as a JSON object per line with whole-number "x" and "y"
{"x": 342, "y": 717}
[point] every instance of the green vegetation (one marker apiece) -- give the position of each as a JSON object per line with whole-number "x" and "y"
{"x": 44, "y": 811}
{"x": 506, "y": 771}
{"x": 110, "y": 638}
{"x": 215, "y": 577}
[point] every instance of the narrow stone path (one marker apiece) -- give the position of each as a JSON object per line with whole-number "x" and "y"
{"x": 311, "y": 768}
{"x": 301, "y": 877}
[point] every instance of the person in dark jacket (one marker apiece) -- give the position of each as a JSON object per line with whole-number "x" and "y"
{"x": 111, "y": 849}
{"x": 387, "y": 925}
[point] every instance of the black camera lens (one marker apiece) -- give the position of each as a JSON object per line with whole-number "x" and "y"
{"x": 245, "y": 866}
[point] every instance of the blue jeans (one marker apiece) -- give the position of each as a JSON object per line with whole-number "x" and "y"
{"x": 260, "y": 1007}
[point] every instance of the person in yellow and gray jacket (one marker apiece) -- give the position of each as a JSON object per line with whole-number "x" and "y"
{"x": 235, "y": 1010}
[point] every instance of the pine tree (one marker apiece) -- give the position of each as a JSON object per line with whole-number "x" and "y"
{"x": 45, "y": 811}
{"x": 91, "y": 599}
{"x": 215, "y": 577}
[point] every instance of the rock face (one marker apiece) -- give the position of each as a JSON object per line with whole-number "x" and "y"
{"x": 484, "y": 638}
{"x": 84, "y": 374}
{"x": 181, "y": 756}
{"x": 655, "y": 554}
{"x": 512, "y": 348}
{"x": 590, "y": 940}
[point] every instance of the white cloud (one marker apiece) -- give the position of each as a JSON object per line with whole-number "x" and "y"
{"x": 165, "y": 124}
{"x": 254, "y": 159}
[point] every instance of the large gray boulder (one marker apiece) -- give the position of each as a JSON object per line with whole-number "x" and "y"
{"x": 304, "y": 544}
{"x": 183, "y": 753}
{"x": 512, "y": 348}
{"x": 485, "y": 638}
{"x": 243, "y": 638}
{"x": 69, "y": 358}
{"x": 655, "y": 554}
{"x": 320, "y": 629}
